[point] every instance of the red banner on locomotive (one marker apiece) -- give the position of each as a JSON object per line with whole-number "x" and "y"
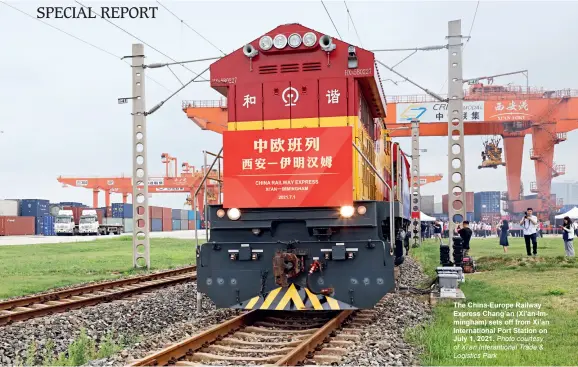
{"x": 288, "y": 168}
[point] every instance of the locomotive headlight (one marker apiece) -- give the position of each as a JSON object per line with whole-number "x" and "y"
{"x": 280, "y": 41}
{"x": 361, "y": 210}
{"x": 309, "y": 39}
{"x": 266, "y": 43}
{"x": 220, "y": 213}
{"x": 347, "y": 211}
{"x": 234, "y": 213}
{"x": 294, "y": 40}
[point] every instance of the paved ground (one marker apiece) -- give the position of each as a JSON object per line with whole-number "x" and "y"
{"x": 39, "y": 240}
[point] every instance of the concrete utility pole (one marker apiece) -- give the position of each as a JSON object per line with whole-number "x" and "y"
{"x": 140, "y": 178}
{"x": 415, "y": 228}
{"x": 456, "y": 163}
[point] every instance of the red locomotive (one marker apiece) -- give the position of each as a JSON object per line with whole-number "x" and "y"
{"x": 305, "y": 220}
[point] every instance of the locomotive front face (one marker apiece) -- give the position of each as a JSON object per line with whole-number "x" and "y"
{"x": 304, "y": 222}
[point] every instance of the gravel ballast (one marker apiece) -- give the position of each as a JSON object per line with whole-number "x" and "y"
{"x": 168, "y": 315}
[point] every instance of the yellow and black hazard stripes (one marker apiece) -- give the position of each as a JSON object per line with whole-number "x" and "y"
{"x": 293, "y": 298}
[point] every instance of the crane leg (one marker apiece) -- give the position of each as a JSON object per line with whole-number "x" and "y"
{"x": 107, "y": 198}
{"x": 124, "y": 198}
{"x": 513, "y": 152}
{"x": 543, "y": 145}
{"x": 95, "y": 198}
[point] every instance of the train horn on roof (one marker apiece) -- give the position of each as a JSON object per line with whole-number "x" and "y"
{"x": 326, "y": 43}
{"x": 249, "y": 50}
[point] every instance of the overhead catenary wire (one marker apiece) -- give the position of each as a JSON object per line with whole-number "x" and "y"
{"x": 331, "y": 19}
{"x": 353, "y": 23}
{"x": 132, "y": 35}
{"x": 191, "y": 28}
{"x": 80, "y": 39}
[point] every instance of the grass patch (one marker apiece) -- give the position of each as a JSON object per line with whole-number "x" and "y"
{"x": 549, "y": 279}
{"x": 36, "y": 268}
{"x": 82, "y": 350}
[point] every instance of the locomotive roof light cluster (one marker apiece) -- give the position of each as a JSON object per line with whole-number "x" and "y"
{"x": 295, "y": 40}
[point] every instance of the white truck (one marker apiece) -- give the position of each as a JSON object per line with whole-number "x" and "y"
{"x": 64, "y": 223}
{"x": 89, "y": 225}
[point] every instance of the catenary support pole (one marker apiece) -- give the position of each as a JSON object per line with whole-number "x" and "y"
{"x": 456, "y": 162}
{"x": 140, "y": 240}
{"x": 415, "y": 186}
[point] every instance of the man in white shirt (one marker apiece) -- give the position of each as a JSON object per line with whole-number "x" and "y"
{"x": 529, "y": 224}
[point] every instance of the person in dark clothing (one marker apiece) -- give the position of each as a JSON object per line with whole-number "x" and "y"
{"x": 438, "y": 230}
{"x": 504, "y": 228}
{"x": 466, "y": 234}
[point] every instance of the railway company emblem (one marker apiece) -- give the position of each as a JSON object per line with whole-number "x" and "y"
{"x": 290, "y": 96}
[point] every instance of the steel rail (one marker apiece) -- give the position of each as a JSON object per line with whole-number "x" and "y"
{"x": 188, "y": 347}
{"x": 89, "y": 295}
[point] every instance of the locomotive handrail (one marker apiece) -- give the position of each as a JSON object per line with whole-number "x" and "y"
{"x": 391, "y": 222}
{"x": 203, "y": 181}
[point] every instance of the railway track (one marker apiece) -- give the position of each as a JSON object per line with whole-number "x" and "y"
{"x": 263, "y": 337}
{"x": 73, "y": 298}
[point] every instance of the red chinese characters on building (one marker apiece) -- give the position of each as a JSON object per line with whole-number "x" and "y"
{"x": 288, "y": 168}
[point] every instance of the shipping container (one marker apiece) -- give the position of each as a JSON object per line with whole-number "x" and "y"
{"x": 192, "y": 215}
{"x": 486, "y": 202}
{"x": 112, "y": 221}
{"x": 176, "y": 214}
{"x": 199, "y": 226}
{"x": 438, "y": 208}
{"x": 17, "y": 226}
{"x": 128, "y": 224}
{"x": 38, "y": 222}
{"x": 34, "y": 207}
{"x": 107, "y": 211}
{"x": 176, "y": 224}
{"x": 470, "y": 200}
{"x": 9, "y": 208}
{"x": 191, "y": 225}
{"x": 167, "y": 213}
{"x": 470, "y": 217}
{"x": 156, "y": 225}
{"x": 184, "y": 215}
{"x": 184, "y": 225}
{"x": 122, "y": 210}
{"x": 155, "y": 212}
{"x": 48, "y": 226}
{"x": 427, "y": 204}
{"x": 167, "y": 224}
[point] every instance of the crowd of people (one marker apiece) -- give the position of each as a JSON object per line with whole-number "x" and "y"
{"x": 528, "y": 227}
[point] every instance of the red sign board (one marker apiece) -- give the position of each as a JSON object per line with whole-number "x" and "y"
{"x": 279, "y": 168}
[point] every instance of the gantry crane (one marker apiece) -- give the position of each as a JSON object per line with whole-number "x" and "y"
{"x": 510, "y": 112}
{"x": 186, "y": 183}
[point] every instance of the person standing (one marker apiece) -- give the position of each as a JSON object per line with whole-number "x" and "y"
{"x": 529, "y": 224}
{"x": 466, "y": 234}
{"x": 504, "y": 228}
{"x": 568, "y": 236}
{"x": 438, "y": 230}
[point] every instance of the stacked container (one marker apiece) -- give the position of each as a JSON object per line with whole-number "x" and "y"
{"x": 9, "y": 208}
{"x": 156, "y": 218}
{"x": 470, "y": 201}
{"x": 48, "y": 226}
{"x": 167, "y": 220}
{"x": 37, "y": 208}
{"x": 124, "y": 211}
{"x": 17, "y": 226}
{"x": 487, "y": 206}
{"x": 176, "y": 226}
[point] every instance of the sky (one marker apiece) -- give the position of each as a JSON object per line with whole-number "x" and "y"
{"x": 59, "y": 113}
